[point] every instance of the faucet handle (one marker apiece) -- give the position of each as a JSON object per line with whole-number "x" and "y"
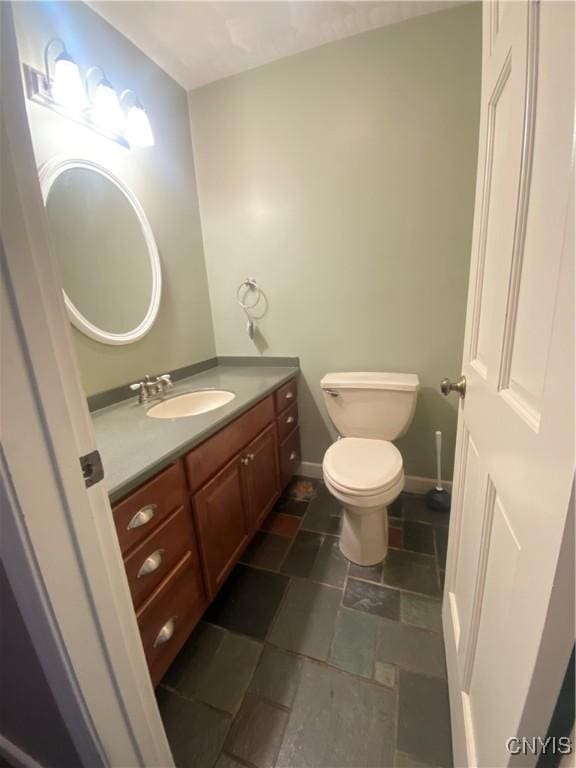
{"x": 165, "y": 377}
{"x": 137, "y": 387}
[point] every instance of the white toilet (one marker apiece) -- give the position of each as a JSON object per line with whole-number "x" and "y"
{"x": 363, "y": 469}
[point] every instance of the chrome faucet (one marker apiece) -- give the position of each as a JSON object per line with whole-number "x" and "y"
{"x": 151, "y": 387}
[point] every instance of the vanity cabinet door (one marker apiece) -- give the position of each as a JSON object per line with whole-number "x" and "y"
{"x": 221, "y": 521}
{"x": 289, "y": 457}
{"x": 262, "y": 475}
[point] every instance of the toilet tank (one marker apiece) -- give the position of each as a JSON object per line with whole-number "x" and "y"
{"x": 374, "y": 405}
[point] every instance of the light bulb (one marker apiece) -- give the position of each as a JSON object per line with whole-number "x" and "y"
{"x": 67, "y": 87}
{"x": 106, "y": 110}
{"x": 138, "y": 130}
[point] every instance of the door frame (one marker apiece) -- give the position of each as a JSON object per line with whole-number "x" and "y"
{"x": 59, "y": 546}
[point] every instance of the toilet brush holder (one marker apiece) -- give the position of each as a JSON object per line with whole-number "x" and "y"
{"x": 438, "y": 497}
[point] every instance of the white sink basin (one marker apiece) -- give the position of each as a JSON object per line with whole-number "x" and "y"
{"x": 191, "y": 404}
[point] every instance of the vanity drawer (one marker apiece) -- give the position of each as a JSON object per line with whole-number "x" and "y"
{"x": 287, "y": 421}
{"x": 207, "y": 459}
{"x": 142, "y": 511}
{"x": 289, "y": 456}
{"x": 170, "y": 614}
{"x": 155, "y": 557}
{"x": 286, "y": 395}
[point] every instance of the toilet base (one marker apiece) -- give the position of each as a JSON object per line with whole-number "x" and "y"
{"x": 364, "y": 535}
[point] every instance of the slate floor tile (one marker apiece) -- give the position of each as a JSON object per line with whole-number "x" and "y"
{"x": 302, "y": 554}
{"x": 411, "y": 648}
{"x": 324, "y": 514}
{"x": 287, "y": 506}
{"x": 197, "y": 654}
{"x": 402, "y": 760}
{"x": 282, "y": 524}
{"x": 355, "y": 642}
{"x": 225, "y": 761}
{"x": 424, "y": 719}
{"x": 256, "y": 733}
{"x": 372, "y": 598}
{"x": 357, "y": 732}
{"x": 396, "y": 508}
{"x": 277, "y": 676}
{"x": 419, "y": 537}
{"x": 421, "y": 611}
{"x": 306, "y": 621}
{"x": 301, "y": 488}
{"x": 195, "y": 731}
{"x": 266, "y": 550}
{"x": 215, "y": 667}
{"x": 441, "y": 535}
{"x": 385, "y": 673}
{"x": 330, "y": 566}
{"x": 248, "y": 602}
{"x": 414, "y": 508}
{"x": 226, "y": 679}
{"x": 395, "y": 537}
{"x": 412, "y": 571}
{"x": 366, "y": 572}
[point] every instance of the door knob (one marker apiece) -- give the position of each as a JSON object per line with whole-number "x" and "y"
{"x": 447, "y": 386}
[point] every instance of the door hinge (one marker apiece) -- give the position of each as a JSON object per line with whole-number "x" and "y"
{"x": 92, "y": 469}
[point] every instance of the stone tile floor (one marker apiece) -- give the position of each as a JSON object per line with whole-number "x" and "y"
{"x": 307, "y": 661}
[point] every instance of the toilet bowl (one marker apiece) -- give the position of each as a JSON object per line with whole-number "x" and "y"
{"x": 366, "y": 476}
{"x": 363, "y": 469}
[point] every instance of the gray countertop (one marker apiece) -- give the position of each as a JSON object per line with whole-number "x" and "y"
{"x": 134, "y": 447}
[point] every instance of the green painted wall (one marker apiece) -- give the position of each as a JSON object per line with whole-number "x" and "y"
{"x": 343, "y": 180}
{"x": 162, "y": 178}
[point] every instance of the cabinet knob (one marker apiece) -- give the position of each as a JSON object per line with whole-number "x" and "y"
{"x": 244, "y": 460}
{"x": 142, "y": 517}
{"x": 151, "y": 564}
{"x": 289, "y": 395}
{"x": 290, "y": 419}
{"x": 250, "y": 457}
{"x": 166, "y": 632}
{"x": 293, "y": 456}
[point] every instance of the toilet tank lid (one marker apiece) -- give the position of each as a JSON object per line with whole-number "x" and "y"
{"x": 407, "y": 382}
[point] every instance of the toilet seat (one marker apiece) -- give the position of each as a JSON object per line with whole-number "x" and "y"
{"x": 361, "y": 467}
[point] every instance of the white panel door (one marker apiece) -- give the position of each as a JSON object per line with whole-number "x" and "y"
{"x": 515, "y": 453}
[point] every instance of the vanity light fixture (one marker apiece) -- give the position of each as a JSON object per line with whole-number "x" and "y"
{"x": 66, "y": 84}
{"x": 93, "y": 103}
{"x": 105, "y": 109}
{"x": 138, "y": 130}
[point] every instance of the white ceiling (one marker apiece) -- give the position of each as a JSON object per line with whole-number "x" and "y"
{"x": 199, "y": 42}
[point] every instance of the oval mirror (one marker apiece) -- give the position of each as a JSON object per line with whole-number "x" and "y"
{"x": 105, "y": 249}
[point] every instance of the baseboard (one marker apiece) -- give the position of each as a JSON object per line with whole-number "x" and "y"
{"x": 310, "y": 469}
{"x": 414, "y": 484}
{"x": 15, "y": 756}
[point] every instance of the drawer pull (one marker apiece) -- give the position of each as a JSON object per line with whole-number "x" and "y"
{"x": 289, "y": 395}
{"x": 290, "y": 419}
{"x": 250, "y": 457}
{"x": 142, "y": 517}
{"x": 293, "y": 456}
{"x": 151, "y": 564}
{"x": 166, "y": 632}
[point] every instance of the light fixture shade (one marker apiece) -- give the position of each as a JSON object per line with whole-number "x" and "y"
{"x": 106, "y": 110}
{"x": 138, "y": 129}
{"x": 67, "y": 87}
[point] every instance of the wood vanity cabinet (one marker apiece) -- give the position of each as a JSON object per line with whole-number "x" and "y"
{"x": 182, "y": 532}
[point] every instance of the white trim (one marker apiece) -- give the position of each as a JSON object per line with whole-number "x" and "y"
{"x": 54, "y": 531}
{"x": 48, "y": 173}
{"x": 413, "y": 483}
{"x": 15, "y": 756}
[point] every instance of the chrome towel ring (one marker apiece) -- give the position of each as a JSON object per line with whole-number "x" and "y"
{"x": 247, "y": 288}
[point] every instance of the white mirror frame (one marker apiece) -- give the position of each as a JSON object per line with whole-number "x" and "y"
{"x": 48, "y": 174}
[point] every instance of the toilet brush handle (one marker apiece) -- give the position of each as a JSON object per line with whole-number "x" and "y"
{"x": 438, "y": 460}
